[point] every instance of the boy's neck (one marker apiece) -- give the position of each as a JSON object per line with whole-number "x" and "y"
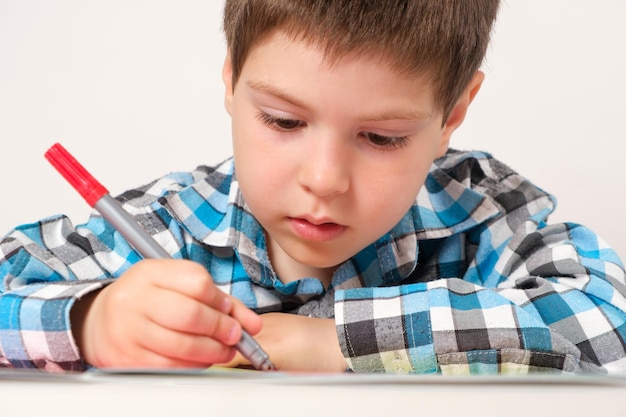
{"x": 288, "y": 270}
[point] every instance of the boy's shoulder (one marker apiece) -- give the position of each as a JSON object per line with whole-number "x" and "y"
{"x": 473, "y": 164}
{"x": 481, "y": 172}
{"x": 218, "y": 177}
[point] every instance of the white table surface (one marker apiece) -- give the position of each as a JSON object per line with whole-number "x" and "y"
{"x": 251, "y": 394}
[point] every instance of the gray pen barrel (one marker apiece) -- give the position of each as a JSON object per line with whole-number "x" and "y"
{"x": 128, "y": 227}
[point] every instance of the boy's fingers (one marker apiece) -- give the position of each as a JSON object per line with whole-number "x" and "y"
{"x": 179, "y": 313}
{"x": 177, "y": 284}
{"x": 193, "y": 280}
{"x": 146, "y": 359}
{"x": 185, "y": 349}
{"x": 168, "y": 355}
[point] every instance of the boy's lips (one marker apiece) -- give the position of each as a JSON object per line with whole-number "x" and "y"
{"x": 319, "y": 230}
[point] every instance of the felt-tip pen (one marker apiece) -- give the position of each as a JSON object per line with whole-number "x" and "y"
{"x": 98, "y": 197}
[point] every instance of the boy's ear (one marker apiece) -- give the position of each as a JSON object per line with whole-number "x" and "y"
{"x": 457, "y": 115}
{"x": 227, "y": 78}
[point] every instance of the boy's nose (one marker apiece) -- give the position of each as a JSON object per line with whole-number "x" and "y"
{"x": 325, "y": 168}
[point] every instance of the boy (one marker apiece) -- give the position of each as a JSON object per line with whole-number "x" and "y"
{"x": 344, "y": 219}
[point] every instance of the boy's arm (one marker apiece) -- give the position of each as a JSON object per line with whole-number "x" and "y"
{"x": 38, "y": 265}
{"x": 557, "y": 303}
{"x": 35, "y": 328}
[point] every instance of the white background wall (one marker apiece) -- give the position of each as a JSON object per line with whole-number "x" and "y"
{"x": 132, "y": 88}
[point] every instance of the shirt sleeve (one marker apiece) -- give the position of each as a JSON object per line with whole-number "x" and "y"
{"x": 45, "y": 267}
{"x": 551, "y": 299}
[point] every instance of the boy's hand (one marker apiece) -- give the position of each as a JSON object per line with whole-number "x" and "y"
{"x": 298, "y": 343}
{"x": 161, "y": 314}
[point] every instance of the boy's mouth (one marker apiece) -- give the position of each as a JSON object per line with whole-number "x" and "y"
{"x": 319, "y": 230}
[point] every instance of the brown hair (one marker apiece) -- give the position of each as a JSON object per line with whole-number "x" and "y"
{"x": 444, "y": 39}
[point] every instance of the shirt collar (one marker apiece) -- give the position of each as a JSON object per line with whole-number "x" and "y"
{"x": 214, "y": 212}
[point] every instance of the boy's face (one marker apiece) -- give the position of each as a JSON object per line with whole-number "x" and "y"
{"x": 329, "y": 157}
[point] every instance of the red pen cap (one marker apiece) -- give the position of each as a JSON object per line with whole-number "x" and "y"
{"x": 86, "y": 185}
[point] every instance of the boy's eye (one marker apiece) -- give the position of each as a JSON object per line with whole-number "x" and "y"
{"x": 389, "y": 142}
{"x": 280, "y": 123}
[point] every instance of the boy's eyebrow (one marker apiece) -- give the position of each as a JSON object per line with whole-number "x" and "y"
{"x": 274, "y": 91}
{"x": 400, "y": 114}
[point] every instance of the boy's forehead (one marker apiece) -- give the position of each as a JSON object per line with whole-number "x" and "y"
{"x": 333, "y": 57}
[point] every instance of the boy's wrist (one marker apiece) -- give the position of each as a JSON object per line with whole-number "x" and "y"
{"x": 78, "y": 319}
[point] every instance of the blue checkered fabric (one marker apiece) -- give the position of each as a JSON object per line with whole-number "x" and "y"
{"x": 472, "y": 280}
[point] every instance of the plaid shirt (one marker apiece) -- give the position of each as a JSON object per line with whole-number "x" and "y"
{"x": 471, "y": 280}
